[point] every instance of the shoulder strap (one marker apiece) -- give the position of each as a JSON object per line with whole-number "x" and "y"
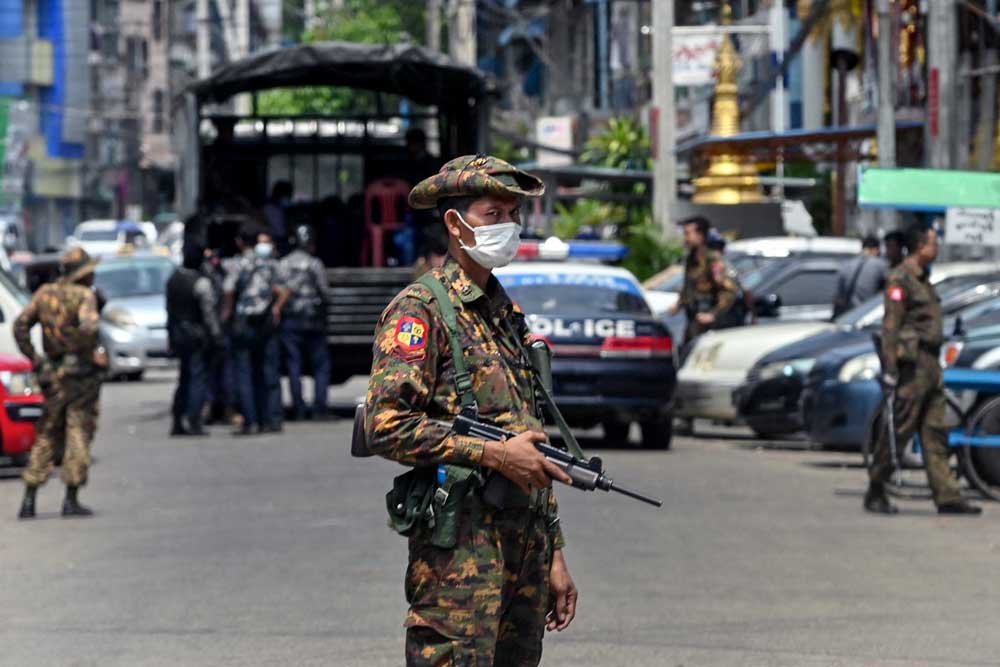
{"x": 849, "y": 294}
{"x": 463, "y": 381}
{"x": 564, "y": 430}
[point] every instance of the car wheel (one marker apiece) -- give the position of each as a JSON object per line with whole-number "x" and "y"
{"x": 657, "y": 434}
{"x": 616, "y": 432}
{"x": 19, "y": 460}
{"x": 133, "y": 377}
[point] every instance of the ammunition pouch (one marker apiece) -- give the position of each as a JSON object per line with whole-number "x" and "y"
{"x": 455, "y": 483}
{"x": 421, "y": 498}
{"x": 409, "y": 501}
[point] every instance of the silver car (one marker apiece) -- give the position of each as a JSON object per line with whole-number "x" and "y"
{"x": 134, "y": 320}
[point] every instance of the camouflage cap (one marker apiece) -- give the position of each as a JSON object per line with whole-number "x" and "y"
{"x": 76, "y": 264}
{"x": 475, "y": 176}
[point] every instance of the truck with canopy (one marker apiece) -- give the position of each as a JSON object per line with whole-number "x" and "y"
{"x": 349, "y": 169}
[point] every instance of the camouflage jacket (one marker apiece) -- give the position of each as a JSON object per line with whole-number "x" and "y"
{"x": 708, "y": 284}
{"x": 411, "y": 394}
{"x": 913, "y": 317}
{"x": 305, "y": 278}
{"x": 252, "y": 280}
{"x": 69, "y": 318}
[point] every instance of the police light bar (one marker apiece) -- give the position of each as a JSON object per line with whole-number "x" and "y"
{"x": 555, "y": 249}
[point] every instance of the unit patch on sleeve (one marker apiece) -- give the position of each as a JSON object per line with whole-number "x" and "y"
{"x": 896, "y": 293}
{"x": 410, "y": 339}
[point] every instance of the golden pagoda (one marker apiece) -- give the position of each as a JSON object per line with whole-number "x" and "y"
{"x": 730, "y": 179}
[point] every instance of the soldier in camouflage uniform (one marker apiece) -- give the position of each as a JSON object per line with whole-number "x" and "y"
{"x": 303, "y": 325}
{"x": 72, "y": 368}
{"x": 708, "y": 292}
{"x": 912, "y": 334}
{"x": 488, "y": 599}
{"x": 253, "y": 299}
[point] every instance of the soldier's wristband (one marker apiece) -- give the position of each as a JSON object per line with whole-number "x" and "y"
{"x": 503, "y": 459}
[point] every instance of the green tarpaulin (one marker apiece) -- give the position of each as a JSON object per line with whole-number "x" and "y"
{"x": 928, "y": 190}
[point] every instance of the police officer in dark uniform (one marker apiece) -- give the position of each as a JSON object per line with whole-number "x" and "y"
{"x": 194, "y": 332}
{"x": 912, "y": 334}
{"x": 253, "y": 300}
{"x": 303, "y": 322}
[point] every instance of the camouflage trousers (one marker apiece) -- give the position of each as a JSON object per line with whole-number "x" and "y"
{"x": 68, "y": 421}
{"x": 483, "y": 602}
{"x": 920, "y": 407}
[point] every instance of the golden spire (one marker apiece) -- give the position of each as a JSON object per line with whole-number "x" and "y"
{"x": 730, "y": 179}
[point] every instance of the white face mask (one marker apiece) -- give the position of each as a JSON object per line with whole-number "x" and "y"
{"x": 263, "y": 249}
{"x": 496, "y": 245}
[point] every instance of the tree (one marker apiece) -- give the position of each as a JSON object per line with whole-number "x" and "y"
{"x": 363, "y": 21}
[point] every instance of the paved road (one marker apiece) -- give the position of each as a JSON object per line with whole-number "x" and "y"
{"x": 273, "y": 551}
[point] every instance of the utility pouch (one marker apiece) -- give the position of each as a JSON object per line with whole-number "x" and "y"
{"x": 409, "y": 501}
{"x": 454, "y": 484}
{"x": 359, "y": 439}
{"x": 495, "y": 491}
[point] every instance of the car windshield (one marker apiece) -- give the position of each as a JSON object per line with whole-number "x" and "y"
{"x": 133, "y": 277}
{"x": 8, "y": 283}
{"x": 547, "y": 297}
{"x": 955, "y": 294}
{"x": 757, "y": 276}
{"x": 98, "y": 235}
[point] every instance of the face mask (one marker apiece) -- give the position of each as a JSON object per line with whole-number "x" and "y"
{"x": 263, "y": 249}
{"x": 496, "y": 245}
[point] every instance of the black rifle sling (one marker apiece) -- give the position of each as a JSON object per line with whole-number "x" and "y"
{"x": 463, "y": 381}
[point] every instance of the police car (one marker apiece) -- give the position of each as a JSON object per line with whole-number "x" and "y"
{"x": 613, "y": 362}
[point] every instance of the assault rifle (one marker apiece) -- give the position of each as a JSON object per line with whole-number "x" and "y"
{"x": 587, "y": 474}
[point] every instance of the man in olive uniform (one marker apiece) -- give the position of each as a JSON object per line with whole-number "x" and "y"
{"x": 68, "y": 313}
{"x": 488, "y": 599}
{"x": 912, "y": 334}
{"x": 708, "y": 292}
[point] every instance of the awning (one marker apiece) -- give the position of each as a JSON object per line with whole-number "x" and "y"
{"x": 927, "y": 190}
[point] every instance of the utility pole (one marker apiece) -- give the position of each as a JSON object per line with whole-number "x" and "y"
{"x": 203, "y": 39}
{"x": 462, "y": 32}
{"x": 664, "y": 125}
{"x": 941, "y": 89}
{"x": 434, "y": 25}
{"x": 987, "y": 96}
{"x": 886, "y": 131}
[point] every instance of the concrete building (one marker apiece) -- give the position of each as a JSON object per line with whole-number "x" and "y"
{"x": 44, "y": 48}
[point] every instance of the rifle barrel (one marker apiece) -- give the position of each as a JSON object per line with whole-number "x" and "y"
{"x": 655, "y": 502}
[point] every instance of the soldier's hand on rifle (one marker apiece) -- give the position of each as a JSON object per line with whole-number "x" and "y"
{"x": 705, "y": 318}
{"x": 519, "y": 461}
{"x": 889, "y": 381}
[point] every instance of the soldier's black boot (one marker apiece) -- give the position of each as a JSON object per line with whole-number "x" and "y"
{"x": 72, "y": 507}
{"x": 877, "y": 501}
{"x": 961, "y": 507}
{"x": 178, "y": 428}
{"x": 28, "y": 504}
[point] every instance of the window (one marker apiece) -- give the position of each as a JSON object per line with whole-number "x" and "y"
{"x": 157, "y": 20}
{"x": 157, "y": 112}
{"x": 807, "y": 288}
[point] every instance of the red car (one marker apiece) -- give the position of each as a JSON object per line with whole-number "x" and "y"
{"x": 22, "y": 407}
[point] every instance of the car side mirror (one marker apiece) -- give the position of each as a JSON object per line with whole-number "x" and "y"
{"x": 959, "y": 327}
{"x": 767, "y": 305}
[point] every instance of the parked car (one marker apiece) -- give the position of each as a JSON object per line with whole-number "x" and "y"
{"x": 719, "y": 361}
{"x": 134, "y": 320}
{"x": 769, "y": 400}
{"x": 612, "y": 360}
{"x": 108, "y": 237}
{"x": 22, "y": 406}
{"x": 744, "y": 257}
{"x": 840, "y": 398}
